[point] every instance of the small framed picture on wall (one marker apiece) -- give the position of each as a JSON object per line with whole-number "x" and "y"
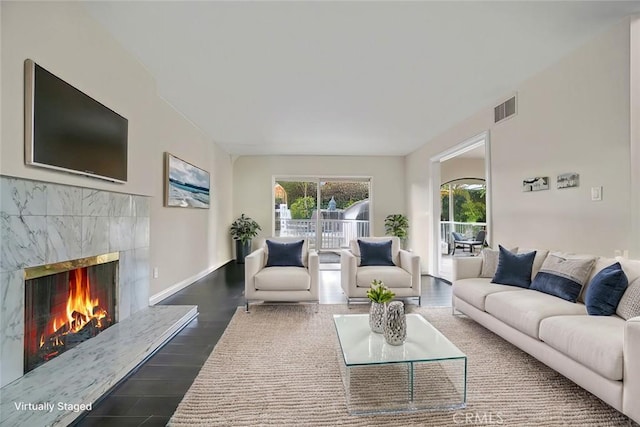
{"x": 568, "y": 180}
{"x": 535, "y": 184}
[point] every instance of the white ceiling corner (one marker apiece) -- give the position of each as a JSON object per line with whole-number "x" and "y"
{"x": 344, "y": 78}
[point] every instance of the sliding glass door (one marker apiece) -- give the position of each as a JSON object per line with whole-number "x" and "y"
{"x": 328, "y": 211}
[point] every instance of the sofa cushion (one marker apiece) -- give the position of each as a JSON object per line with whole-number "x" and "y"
{"x": 392, "y": 277}
{"x": 601, "y": 263}
{"x": 631, "y": 267}
{"x": 490, "y": 261}
{"x": 596, "y": 342}
{"x": 541, "y": 255}
{"x": 525, "y": 309}
{"x": 282, "y": 279}
{"x": 375, "y": 253}
{"x": 563, "y": 277}
{"x": 395, "y": 247}
{"x": 285, "y": 254}
{"x": 287, "y": 239}
{"x": 629, "y": 305}
{"x": 606, "y": 290}
{"x": 514, "y": 269}
{"x": 475, "y": 290}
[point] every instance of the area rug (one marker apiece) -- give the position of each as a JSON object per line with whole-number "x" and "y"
{"x": 278, "y": 366}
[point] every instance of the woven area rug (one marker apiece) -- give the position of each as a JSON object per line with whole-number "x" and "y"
{"x": 278, "y": 366}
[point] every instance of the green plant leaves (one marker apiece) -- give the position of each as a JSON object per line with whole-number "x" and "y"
{"x": 244, "y": 229}
{"x": 379, "y": 292}
{"x": 396, "y": 225}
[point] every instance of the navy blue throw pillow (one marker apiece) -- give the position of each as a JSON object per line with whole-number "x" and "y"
{"x": 375, "y": 253}
{"x": 605, "y": 291}
{"x": 514, "y": 269}
{"x": 285, "y": 254}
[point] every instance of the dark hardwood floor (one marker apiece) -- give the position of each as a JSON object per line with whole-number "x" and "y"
{"x": 150, "y": 395}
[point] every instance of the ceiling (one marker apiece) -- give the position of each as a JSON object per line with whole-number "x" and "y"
{"x": 344, "y": 78}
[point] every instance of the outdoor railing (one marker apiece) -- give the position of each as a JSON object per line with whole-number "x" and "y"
{"x": 335, "y": 233}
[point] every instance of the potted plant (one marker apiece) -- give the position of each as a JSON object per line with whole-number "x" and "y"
{"x": 397, "y": 225}
{"x": 243, "y": 229}
{"x": 379, "y": 295}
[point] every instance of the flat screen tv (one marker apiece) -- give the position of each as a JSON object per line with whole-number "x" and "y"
{"x": 69, "y": 131}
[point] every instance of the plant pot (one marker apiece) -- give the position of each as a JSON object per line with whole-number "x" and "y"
{"x": 242, "y": 250}
{"x": 376, "y": 317}
{"x": 395, "y": 323}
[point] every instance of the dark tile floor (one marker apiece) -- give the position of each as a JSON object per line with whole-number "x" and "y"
{"x": 150, "y": 395}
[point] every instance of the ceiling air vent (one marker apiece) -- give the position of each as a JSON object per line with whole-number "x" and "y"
{"x": 505, "y": 110}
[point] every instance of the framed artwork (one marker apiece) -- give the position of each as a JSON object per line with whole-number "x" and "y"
{"x": 535, "y": 184}
{"x": 568, "y": 180}
{"x": 186, "y": 185}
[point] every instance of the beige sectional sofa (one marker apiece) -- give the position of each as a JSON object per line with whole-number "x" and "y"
{"x": 599, "y": 353}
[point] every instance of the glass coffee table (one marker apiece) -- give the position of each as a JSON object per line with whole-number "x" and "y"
{"x": 427, "y": 372}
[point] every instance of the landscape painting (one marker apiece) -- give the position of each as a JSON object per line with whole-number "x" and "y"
{"x": 186, "y": 185}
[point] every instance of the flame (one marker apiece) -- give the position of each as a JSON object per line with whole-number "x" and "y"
{"x": 80, "y": 301}
{"x": 80, "y": 309}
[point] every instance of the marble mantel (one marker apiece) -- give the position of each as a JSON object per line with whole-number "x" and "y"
{"x": 44, "y": 223}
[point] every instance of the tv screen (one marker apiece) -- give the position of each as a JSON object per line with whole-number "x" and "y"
{"x": 70, "y": 131}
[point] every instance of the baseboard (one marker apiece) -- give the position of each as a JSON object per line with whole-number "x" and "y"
{"x": 154, "y": 299}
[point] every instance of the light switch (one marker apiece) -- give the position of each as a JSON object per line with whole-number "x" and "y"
{"x": 596, "y": 193}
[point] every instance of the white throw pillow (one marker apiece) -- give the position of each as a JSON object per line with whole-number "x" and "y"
{"x": 629, "y": 305}
{"x": 490, "y": 261}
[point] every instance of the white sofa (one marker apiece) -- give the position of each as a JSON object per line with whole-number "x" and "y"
{"x": 403, "y": 278}
{"x": 281, "y": 284}
{"x": 599, "y": 353}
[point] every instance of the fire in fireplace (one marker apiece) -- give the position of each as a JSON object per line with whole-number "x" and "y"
{"x": 66, "y": 307}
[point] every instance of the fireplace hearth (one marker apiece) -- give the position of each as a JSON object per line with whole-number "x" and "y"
{"x": 67, "y": 303}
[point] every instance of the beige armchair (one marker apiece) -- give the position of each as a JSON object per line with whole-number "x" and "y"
{"x": 403, "y": 277}
{"x": 281, "y": 283}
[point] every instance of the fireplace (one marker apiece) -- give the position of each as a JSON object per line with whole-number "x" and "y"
{"x": 67, "y": 303}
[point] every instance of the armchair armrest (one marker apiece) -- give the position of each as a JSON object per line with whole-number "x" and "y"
{"x": 410, "y": 262}
{"x": 348, "y": 267}
{"x": 631, "y": 375}
{"x": 253, "y": 263}
{"x": 466, "y": 268}
{"x": 314, "y": 272}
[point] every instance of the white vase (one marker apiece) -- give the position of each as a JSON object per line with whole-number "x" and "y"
{"x": 395, "y": 323}
{"x": 376, "y": 317}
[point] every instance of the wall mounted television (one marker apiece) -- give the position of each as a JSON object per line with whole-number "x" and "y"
{"x": 69, "y": 131}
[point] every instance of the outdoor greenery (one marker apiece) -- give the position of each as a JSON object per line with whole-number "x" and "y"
{"x": 303, "y": 208}
{"x": 396, "y": 225}
{"x": 469, "y": 203}
{"x": 301, "y": 195}
{"x": 344, "y": 193}
{"x": 244, "y": 229}
{"x": 379, "y": 293}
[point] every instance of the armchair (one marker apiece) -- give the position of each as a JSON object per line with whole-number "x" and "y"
{"x": 402, "y": 275}
{"x": 284, "y": 281}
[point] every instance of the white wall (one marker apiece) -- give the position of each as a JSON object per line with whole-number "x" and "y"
{"x": 572, "y": 117}
{"x": 252, "y": 178}
{"x": 635, "y": 134}
{"x": 62, "y": 38}
{"x": 461, "y": 167}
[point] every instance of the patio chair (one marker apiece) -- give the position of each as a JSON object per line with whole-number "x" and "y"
{"x": 460, "y": 242}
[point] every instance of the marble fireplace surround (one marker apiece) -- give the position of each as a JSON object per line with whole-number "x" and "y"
{"x": 44, "y": 223}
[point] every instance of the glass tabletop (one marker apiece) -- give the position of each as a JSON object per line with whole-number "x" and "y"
{"x": 360, "y": 346}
